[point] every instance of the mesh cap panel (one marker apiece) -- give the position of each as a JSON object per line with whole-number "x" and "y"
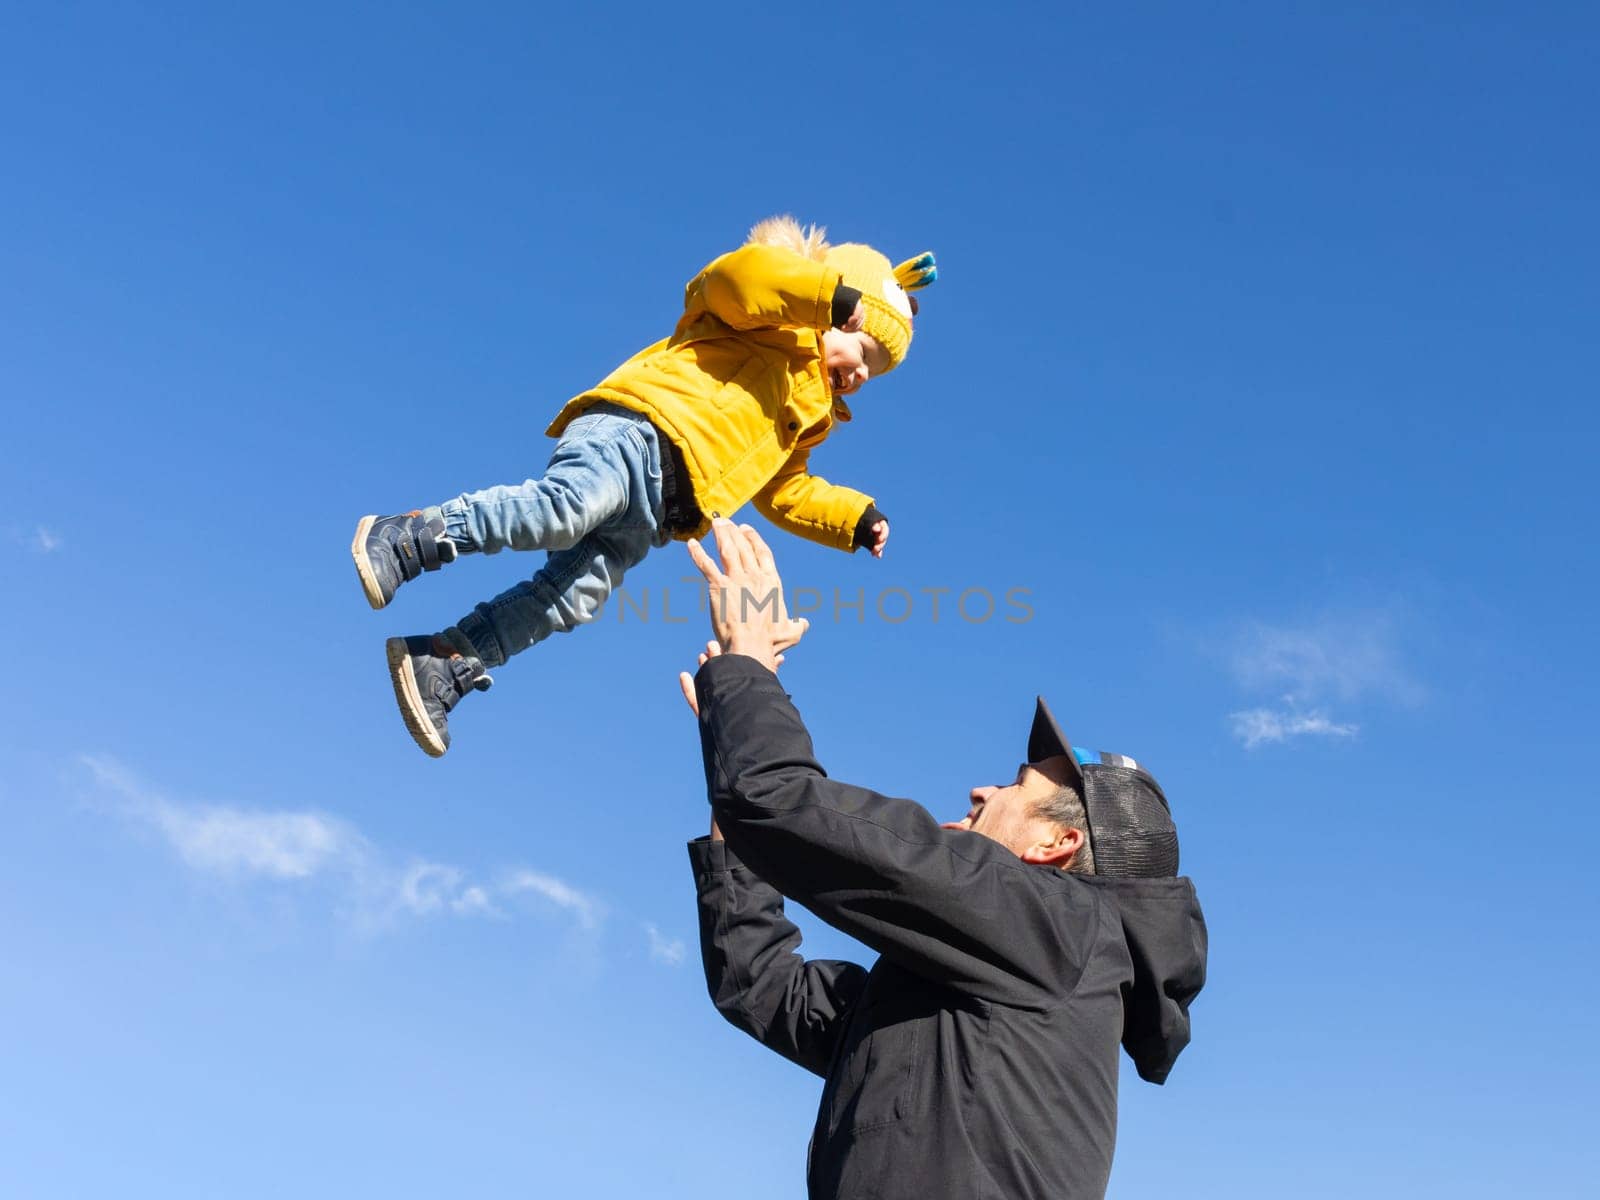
{"x": 1130, "y": 825}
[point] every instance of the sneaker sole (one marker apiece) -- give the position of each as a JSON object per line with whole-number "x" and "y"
{"x": 369, "y": 578}
{"x": 409, "y": 699}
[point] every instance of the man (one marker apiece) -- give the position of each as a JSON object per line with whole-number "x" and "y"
{"x": 978, "y": 1056}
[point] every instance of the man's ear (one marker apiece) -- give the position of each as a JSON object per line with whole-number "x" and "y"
{"x": 1058, "y": 852}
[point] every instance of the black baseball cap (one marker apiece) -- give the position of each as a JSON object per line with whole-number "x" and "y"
{"x": 1130, "y": 825}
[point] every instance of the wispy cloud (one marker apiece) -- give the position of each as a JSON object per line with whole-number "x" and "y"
{"x": 664, "y": 949}
{"x": 304, "y": 847}
{"x": 37, "y": 539}
{"x": 1333, "y": 657}
{"x": 227, "y": 841}
{"x": 1257, "y": 726}
{"x": 473, "y": 900}
{"x": 584, "y": 909}
{"x": 429, "y": 887}
{"x": 1346, "y": 659}
{"x": 371, "y": 888}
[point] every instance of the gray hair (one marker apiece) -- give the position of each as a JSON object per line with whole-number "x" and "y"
{"x": 1065, "y": 808}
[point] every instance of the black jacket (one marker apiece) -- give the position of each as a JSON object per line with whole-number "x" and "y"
{"x": 978, "y": 1057}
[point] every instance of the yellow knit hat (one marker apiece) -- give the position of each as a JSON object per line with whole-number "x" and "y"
{"x": 885, "y": 305}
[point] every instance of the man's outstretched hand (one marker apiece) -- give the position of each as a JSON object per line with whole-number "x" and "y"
{"x": 748, "y": 613}
{"x": 745, "y": 596}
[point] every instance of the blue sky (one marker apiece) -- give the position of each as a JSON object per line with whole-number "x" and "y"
{"x": 1261, "y": 357}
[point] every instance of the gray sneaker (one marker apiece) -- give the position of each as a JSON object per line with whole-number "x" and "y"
{"x": 430, "y": 677}
{"x": 390, "y": 550}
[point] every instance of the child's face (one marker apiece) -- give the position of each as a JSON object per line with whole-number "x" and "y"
{"x": 851, "y": 359}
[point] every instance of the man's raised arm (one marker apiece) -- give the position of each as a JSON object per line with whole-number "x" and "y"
{"x": 751, "y": 951}
{"x": 754, "y": 971}
{"x": 959, "y": 909}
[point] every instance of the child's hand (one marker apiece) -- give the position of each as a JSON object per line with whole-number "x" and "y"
{"x": 880, "y": 538}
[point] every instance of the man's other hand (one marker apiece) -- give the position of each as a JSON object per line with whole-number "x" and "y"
{"x": 686, "y": 680}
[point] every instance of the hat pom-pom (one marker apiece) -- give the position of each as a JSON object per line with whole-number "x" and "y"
{"x": 808, "y": 241}
{"x": 916, "y": 273}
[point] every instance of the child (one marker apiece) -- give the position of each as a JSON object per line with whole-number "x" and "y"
{"x": 727, "y": 410}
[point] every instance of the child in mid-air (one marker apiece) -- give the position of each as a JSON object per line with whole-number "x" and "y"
{"x": 727, "y": 410}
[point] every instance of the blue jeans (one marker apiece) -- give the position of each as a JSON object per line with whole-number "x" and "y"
{"x": 597, "y": 511}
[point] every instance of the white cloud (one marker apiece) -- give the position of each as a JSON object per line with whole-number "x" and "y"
{"x": 584, "y": 909}
{"x": 285, "y": 845}
{"x": 428, "y": 887}
{"x": 1343, "y": 659}
{"x": 1334, "y": 657}
{"x": 303, "y": 847}
{"x": 232, "y": 841}
{"x": 473, "y": 900}
{"x": 1257, "y": 726}
{"x": 38, "y": 539}
{"x": 664, "y": 949}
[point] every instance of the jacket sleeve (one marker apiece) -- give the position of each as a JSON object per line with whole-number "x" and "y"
{"x": 950, "y": 905}
{"x": 755, "y": 975}
{"x": 810, "y": 506}
{"x": 764, "y": 287}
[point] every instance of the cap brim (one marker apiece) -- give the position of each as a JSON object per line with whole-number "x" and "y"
{"x": 1045, "y": 740}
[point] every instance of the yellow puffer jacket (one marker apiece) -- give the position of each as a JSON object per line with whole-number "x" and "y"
{"x": 739, "y": 387}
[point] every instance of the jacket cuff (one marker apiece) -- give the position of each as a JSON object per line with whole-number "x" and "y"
{"x": 724, "y": 674}
{"x": 727, "y": 667}
{"x": 863, "y": 536}
{"x": 845, "y": 299}
{"x": 709, "y": 857}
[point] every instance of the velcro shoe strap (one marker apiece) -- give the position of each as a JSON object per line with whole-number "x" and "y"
{"x": 406, "y": 554}
{"x": 429, "y": 549}
{"x": 467, "y": 676}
